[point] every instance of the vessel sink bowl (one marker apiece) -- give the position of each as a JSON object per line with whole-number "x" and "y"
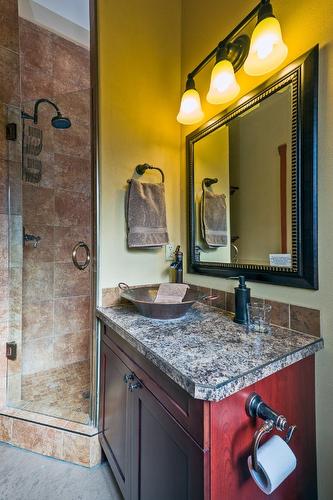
{"x": 143, "y": 298}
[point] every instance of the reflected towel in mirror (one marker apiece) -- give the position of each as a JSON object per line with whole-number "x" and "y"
{"x": 214, "y": 219}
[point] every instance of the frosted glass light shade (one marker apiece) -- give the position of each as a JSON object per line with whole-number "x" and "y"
{"x": 267, "y": 49}
{"x": 190, "y": 108}
{"x": 223, "y": 84}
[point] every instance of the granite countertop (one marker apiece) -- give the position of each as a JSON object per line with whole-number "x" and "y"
{"x": 205, "y": 352}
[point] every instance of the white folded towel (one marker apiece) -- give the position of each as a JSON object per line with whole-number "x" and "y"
{"x": 171, "y": 293}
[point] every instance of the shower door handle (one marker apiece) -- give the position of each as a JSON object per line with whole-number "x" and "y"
{"x": 81, "y": 265}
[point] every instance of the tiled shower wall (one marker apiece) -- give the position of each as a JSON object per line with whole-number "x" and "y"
{"x": 56, "y": 296}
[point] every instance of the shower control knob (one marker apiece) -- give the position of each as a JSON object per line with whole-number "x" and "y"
{"x": 134, "y": 386}
{"x": 128, "y": 377}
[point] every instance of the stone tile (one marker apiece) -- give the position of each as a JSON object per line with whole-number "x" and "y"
{"x": 76, "y": 449}
{"x": 38, "y": 205}
{"x": 70, "y": 281}
{"x": 76, "y": 105}
{"x": 40, "y": 439}
{"x": 72, "y": 209}
{"x": 37, "y": 355}
{"x": 230, "y": 301}
{"x": 71, "y": 348}
{"x": 37, "y": 282}
{"x": 72, "y": 173}
{"x": 13, "y": 395}
{"x": 280, "y": 313}
{"x": 305, "y": 320}
{"x": 72, "y": 62}
{"x": 95, "y": 451}
{"x": 9, "y": 77}
{"x": 37, "y": 320}
{"x": 220, "y": 301}
{"x": 36, "y": 46}
{"x": 35, "y": 82}
{"x": 3, "y": 186}
{"x": 9, "y": 33}
{"x": 15, "y": 187}
{"x": 74, "y": 141}
{"x": 14, "y": 148}
{"x": 6, "y": 424}
{"x": 3, "y": 241}
{"x": 66, "y": 237}
{"x": 110, "y": 297}
{"x": 45, "y": 249}
{"x": 71, "y": 314}
{"x": 15, "y": 241}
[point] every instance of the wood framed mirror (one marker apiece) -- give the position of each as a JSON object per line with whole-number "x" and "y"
{"x": 252, "y": 183}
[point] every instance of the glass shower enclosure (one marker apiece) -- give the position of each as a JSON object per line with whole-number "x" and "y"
{"x": 50, "y": 227}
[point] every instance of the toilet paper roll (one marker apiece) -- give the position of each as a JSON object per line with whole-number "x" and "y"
{"x": 276, "y": 462}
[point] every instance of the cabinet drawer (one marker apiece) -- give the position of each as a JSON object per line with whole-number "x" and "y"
{"x": 189, "y": 412}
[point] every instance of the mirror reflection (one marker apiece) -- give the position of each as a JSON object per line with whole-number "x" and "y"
{"x": 243, "y": 187}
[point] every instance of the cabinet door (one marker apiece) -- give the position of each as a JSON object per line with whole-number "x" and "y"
{"x": 166, "y": 463}
{"x": 113, "y": 413}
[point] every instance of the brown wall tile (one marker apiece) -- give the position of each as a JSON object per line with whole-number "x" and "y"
{"x": 280, "y": 313}
{"x": 9, "y": 77}
{"x": 230, "y": 301}
{"x": 37, "y": 320}
{"x": 220, "y": 301}
{"x": 9, "y": 33}
{"x": 69, "y": 281}
{"x": 3, "y": 241}
{"x": 3, "y": 186}
{"x": 44, "y": 252}
{"x": 71, "y": 348}
{"x": 66, "y": 237}
{"x": 76, "y": 105}
{"x": 71, "y": 314}
{"x": 305, "y": 320}
{"x": 37, "y": 282}
{"x": 37, "y": 354}
{"x": 38, "y": 205}
{"x": 36, "y": 47}
{"x": 72, "y": 173}
{"x": 71, "y": 209}
{"x": 74, "y": 141}
{"x": 72, "y": 63}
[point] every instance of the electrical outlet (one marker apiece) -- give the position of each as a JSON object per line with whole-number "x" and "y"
{"x": 170, "y": 251}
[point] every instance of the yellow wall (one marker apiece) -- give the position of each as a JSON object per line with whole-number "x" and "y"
{"x": 304, "y": 24}
{"x": 139, "y": 95}
{"x": 139, "y": 54}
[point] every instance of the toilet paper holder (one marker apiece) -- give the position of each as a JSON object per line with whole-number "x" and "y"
{"x": 256, "y": 407}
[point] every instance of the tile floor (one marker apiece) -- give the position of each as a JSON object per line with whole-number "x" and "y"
{"x": 28, "y": 476}
{"x": 61, "y": 392}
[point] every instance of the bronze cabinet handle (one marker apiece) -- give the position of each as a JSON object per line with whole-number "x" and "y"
{"x": 81, "y": 244}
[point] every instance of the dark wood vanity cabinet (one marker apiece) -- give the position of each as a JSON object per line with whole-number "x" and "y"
{"x": 150, "y": 453}
{"x": 164, "y": 445}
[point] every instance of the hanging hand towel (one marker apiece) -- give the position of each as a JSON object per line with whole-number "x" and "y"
{"x": 146, "y": 215}
{"x": 214, "y": 219}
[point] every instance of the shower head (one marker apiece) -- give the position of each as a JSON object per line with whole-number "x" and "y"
{"x": 59, "y": 121}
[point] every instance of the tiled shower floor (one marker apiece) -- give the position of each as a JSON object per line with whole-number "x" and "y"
{"x": 61, "y": 392}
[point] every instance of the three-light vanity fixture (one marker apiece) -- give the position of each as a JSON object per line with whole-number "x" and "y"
{"x": 260, "y": 55}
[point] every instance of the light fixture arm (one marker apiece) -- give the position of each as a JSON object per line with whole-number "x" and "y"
{"x": 263, "y": 4}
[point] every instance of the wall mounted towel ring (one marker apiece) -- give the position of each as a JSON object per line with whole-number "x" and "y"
{"x": 207, "y": 181}
{"x": 140, "y": 169}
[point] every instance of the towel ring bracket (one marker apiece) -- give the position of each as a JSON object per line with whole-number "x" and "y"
{"x": 140, "y": 169}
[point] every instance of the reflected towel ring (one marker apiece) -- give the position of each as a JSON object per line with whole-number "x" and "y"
{"x": 207, "y": 182}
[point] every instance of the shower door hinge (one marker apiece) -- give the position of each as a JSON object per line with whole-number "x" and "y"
{"x": 11, "y": 131}
{"x": 11, "y": 350}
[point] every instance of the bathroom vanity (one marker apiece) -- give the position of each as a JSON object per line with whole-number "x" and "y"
{"x": 172, "y": 421}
